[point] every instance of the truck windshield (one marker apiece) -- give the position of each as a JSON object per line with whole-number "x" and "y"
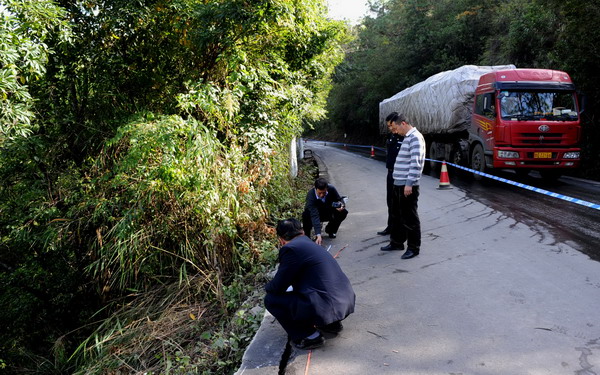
{"x": 529, "y": 105}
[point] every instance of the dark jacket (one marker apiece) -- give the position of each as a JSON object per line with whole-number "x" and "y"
{"x": 393, "y": 143}
{"x": 318, "y": 210}
{"x": 323, "y": 290}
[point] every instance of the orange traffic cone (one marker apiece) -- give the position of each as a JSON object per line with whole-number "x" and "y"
{"x": 372, "y": 151}
{"x": 444, "y": 179}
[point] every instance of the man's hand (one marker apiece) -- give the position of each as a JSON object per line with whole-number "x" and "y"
{"x": 319, "y": 239}
{"x": 407, "y": 190}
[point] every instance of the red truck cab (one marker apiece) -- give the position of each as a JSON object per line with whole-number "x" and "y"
{"x": 526, "y": 119}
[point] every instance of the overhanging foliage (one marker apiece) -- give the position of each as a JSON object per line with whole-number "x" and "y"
{"x": 153, "y": 152}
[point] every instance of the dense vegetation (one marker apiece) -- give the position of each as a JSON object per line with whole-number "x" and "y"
{"x": 144, "y": 158}
{"x": 406, "y": 41}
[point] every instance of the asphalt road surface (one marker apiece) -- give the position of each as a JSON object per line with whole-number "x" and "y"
{"x": 503, "y": 284}
{"x": 568, "y": 222}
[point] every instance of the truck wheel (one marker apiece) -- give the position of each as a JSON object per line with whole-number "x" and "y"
{"x": 478, "y": 161}
{"x": 456, "y": 156}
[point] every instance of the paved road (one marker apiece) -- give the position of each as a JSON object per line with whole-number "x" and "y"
{"x": 488, "y": 294}
{"x": 566, "y": 221}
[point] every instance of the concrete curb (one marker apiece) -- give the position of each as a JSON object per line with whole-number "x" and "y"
{"x": 321, "y": 166}
{"x": 264, "y": 354}
{"x": 308, "y": 153}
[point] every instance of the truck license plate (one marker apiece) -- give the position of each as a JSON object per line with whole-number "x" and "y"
{"x": 542, "y": 155}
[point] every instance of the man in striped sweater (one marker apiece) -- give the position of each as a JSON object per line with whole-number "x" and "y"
{"x": 406, "y": 226}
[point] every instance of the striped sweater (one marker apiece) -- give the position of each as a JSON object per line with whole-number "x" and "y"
{"x": 410, "y": 160}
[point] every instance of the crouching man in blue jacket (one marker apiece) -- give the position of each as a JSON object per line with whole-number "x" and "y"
{"x": 309, "y": 293}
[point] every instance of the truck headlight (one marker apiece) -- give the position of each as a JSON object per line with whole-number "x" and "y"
{"x": 508, "y": 154}
{"x": 571, "y": 155}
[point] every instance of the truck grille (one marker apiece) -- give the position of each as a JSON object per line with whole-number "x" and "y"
{"x": 539, "y": 139}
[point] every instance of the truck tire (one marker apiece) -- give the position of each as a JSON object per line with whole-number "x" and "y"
{"x": 478, "y": 161}
{"x": 456, "y": 155}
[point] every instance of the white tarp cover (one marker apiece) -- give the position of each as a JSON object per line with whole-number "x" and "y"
{"x": 440, "y": 104}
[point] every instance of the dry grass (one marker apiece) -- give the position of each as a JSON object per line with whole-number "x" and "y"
{"x": 163, "y": 331}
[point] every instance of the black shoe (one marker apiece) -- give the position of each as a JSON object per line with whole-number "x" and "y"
{"x": 384, "y": 232}
{"x": 335, "y": 327}
{"x": 332, "y": 235}
{"x": 409, "y": 254}
{"x": 391, "y": 247}
{"x": 306, "y": 344}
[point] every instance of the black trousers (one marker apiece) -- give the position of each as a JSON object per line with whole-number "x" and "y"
{"x": 331, "y": 215}
{"x": 406, "y": 225}
{"x": 284, "y": 308}
{"x": 389, "y": 196}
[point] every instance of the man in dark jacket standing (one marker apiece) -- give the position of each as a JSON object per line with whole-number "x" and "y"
{"x": 310, "y": 292}
{"x": 323, "y": 203}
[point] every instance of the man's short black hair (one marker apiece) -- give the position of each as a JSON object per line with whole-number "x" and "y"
{"x": 289, "y": 228}
{"x": 321, "y": 183}
{"x": 396, "y": 117}
{"x": 391, "y": 117}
